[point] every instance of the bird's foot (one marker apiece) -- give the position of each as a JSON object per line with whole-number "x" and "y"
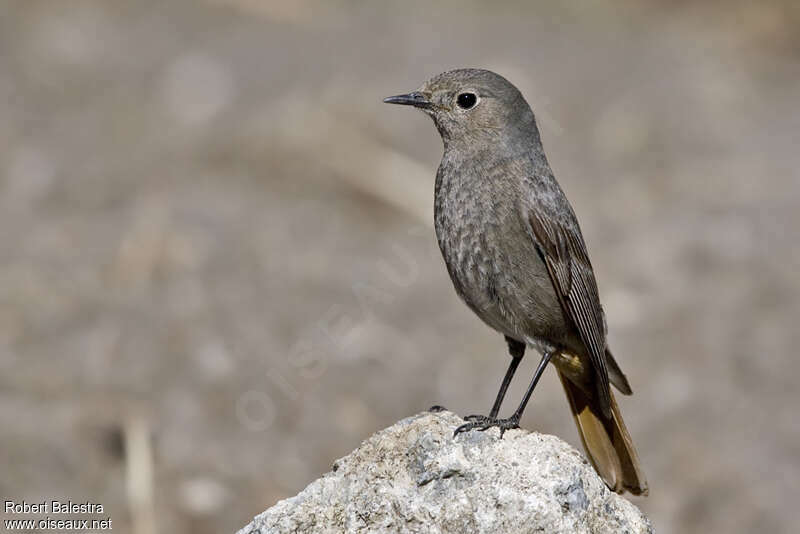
{"x": 482, "y": 422}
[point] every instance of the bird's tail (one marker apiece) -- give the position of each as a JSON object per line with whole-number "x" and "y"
{"x": 606, "y": 441}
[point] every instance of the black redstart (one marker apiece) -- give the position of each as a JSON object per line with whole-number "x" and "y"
{"x": 516, "y": 256}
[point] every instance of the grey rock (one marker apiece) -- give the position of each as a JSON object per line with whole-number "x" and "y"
{"x": 413, "y": 477}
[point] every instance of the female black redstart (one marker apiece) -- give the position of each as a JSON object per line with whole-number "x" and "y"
{"x": 516, "y": 256}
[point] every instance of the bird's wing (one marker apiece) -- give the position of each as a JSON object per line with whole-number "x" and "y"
{"x": 563, "y": 251}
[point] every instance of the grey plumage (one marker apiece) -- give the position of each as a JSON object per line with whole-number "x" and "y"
{"x": 511, "y": 241}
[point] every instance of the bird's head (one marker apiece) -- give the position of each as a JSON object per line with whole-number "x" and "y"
{"x": 471, "y": 105}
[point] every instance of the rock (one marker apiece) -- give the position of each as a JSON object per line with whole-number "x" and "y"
{"x": 414, "y": 477}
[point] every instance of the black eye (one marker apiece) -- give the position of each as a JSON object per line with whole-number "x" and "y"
{"x": 466, "y": 100}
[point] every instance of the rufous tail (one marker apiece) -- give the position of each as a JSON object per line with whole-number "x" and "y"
{"x": 606, "y": 441}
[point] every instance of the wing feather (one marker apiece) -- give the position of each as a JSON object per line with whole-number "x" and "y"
{"x": 564, "y": 253}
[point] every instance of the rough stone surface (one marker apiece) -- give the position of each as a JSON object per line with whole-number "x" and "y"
{"x": 415, "y": 477}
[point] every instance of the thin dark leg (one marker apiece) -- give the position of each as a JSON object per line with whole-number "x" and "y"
{"x": 483, "y": 423}
{"x": 536, "y": 376}
{"x": 517, "y": 351}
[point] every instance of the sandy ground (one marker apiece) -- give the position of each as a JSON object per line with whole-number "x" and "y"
{"x": 217, "y": 249}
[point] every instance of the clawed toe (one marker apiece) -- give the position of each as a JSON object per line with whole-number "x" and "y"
{"x": 463, "y": 428}
{"x": 508, "y": 424}
{"x": 482, "y": 422}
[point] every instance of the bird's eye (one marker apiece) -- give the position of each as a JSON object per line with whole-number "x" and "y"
{"x": 466, "y": 100}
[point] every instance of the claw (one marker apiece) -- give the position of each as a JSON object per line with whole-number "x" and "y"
{"x": 474, "y": 418}
{"x": 481, "y": 423}
{"x": 463, "y": 428}
{"x": 510, "y": 423}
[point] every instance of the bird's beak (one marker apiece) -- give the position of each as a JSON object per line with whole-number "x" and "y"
{"x": 415, "y": 99}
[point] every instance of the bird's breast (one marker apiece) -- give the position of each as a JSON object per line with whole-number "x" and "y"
{"x": 490, "y": 256}
{"x": 470, "y": 225}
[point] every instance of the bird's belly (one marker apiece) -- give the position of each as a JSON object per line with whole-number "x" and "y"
{"x": 506, "y": 285}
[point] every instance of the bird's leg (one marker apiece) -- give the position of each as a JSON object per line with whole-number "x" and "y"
{"x": 513, "y": 421}
{"x": 517, "y": 350}
{"x": 536, "y": 376}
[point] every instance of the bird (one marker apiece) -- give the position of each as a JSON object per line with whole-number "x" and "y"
{"x": 516, "y": 256}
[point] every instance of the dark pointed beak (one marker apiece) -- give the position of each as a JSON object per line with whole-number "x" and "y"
{"x": 415, "y": 99}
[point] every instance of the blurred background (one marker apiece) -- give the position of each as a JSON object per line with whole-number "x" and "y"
{"x": 219, "y": 272}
